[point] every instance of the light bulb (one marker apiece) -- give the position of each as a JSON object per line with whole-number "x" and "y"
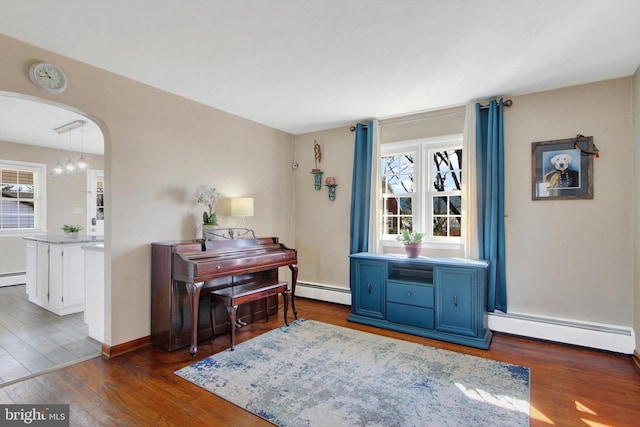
{"x": 82, "y": 163}
{"x": 69, "y": 166}
{"x": 57, "y": 169}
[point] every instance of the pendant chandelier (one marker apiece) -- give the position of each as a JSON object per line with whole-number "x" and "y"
{"x": 70, "y": 168}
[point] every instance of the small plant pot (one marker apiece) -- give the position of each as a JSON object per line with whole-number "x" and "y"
{"x": 209, "y": 231}
{"x": 71, "y": 235}
{"x": 413, "y": 249}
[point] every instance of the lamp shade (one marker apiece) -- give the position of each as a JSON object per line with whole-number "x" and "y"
{"x": 242, "y": 206}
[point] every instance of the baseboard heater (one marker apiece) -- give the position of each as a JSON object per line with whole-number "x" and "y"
{"x": 327, "y": 293}
{"x": 618, "y": 339}
{"x": 14, "y": 278}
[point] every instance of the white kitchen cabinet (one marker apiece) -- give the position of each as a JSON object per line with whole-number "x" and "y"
{"x": 32, "y": 248}
{"x": 55, "y": 274}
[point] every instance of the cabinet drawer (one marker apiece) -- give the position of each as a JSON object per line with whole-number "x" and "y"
{"x": 410, "y": 315}
{"x": 421, "y": 296}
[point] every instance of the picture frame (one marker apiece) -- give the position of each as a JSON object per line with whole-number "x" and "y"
{"x": 562, "y": 169}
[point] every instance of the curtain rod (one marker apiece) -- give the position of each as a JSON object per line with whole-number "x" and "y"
{"x": 353, "y": 128}
{"x": 506, "y": 103}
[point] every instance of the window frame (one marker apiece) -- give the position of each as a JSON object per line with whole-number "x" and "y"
{"x": 39, "y": 198}
{"x": 423, "y": 197}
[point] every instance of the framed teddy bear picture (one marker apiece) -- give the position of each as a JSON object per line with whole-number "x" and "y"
{"x": 562, "y": 169}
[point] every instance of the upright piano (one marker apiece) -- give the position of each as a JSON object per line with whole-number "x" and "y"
{"x": 184, "y": 272}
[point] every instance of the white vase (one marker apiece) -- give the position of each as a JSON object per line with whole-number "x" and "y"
{"x": 208, "y": 231}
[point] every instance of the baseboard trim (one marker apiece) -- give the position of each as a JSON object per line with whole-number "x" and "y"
{"x": 120, "y": 349}
{"x": 12, "y": 279}
{"x": 618, "y": 339}
{"x": 321, "y": 292}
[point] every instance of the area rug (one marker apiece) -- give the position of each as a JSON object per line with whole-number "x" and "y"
{"x": 315, "y": 374}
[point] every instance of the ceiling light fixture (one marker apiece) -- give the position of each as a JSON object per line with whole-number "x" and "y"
{"x": 82, "y": 163}
{"x": 69, "y": 168}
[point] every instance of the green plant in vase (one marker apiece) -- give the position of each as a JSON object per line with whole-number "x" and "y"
{"x": 71, "y": 228}
{"x": 412, "y": 241}
{"x": 207, "y": 196}
{"x": 407, "y": 236}
{"x": 209, "y": 218}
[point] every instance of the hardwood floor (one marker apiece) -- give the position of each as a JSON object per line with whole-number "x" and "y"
{"x": 34, "y": 340}
{"x": 570, "y": 386}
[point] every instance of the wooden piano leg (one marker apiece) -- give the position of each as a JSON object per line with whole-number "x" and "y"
{"x": 285, "y": 299}
{"x": 212, "y": 316}
{"x": 193, "y": 289}
{"x": 232, "y": 323}
{"x": 294, "y": 280}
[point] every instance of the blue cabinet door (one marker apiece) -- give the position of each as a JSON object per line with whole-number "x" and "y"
{"x": 457, "y": 301}
{"x": 368, "y": 293}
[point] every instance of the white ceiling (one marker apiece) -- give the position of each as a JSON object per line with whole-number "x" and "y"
{"x": 27, "y": 122}
{"x": 305, "y": 65}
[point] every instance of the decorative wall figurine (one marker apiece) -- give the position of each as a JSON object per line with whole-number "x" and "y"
{"x": 317, "y": 173}
{"x": 317, "y": 154}
{"x": 330, "y": 182}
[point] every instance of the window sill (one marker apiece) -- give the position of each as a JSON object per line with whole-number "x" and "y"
{"x": 22, "y": 233}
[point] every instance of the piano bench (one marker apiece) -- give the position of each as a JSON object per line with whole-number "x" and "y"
{"x": 235, "y": 295}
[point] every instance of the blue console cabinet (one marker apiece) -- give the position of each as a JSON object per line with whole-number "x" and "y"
{"x": 439, "y": 298}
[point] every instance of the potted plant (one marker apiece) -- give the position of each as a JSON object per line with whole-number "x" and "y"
{"x": 71, "y": 230}
{"x": 207, "y": 196}
{"x": 412, "y": 241}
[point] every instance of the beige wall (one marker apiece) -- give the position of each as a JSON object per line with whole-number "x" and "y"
{"x": 158, "y": 148}
{"x": 322, "y": 226}
{"x": 449, "y": 121}
{"x": 636, "y": 195}
{"x": 62, "y": 196}
{"x": 566, "y": 259}
{"x": 572, "y": 258}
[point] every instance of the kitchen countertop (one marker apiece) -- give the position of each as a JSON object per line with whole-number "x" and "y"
{"x": 64, "y": 240}
{"x": 99, "y": 247}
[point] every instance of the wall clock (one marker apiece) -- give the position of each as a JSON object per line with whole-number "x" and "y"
{"x": 48, "y": 77}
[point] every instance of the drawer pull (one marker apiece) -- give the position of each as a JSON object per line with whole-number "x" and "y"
{"x": 455, "y": 300}
{"x": 369, "y": 287}
{"x": 408, "y": 294}
{"x": 218, "y": 267}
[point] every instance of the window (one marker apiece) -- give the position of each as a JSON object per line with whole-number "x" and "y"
{"x": 422, "y": 188}
{"x": 23, "y": 187}
{"x": 445, "y": 195}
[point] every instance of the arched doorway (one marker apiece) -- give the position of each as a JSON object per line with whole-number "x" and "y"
{"x": 27, "y": 135}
